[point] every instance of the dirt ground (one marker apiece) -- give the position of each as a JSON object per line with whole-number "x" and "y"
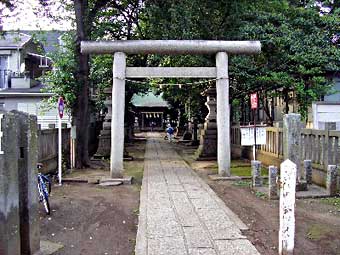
{"x": 317, "y": 220}
{"x": 87, "y": 219}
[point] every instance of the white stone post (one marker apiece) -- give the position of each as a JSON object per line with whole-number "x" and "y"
{"x": 223, "y": 118}
{"x": 118, "y": 109}
{"x": 287, "y": 208}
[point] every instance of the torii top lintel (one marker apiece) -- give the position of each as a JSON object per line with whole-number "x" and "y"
{"x": 170, "y": 47}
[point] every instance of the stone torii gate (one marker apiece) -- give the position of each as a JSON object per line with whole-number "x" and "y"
{"x": 119, "y": 49}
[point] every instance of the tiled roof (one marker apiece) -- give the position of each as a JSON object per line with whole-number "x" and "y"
{"x": 49, "y": 39}
{"x": 149, "y": 100}
{"x": 13, "y": 40}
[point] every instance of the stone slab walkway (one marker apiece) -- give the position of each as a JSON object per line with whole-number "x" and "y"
{"x": 180, "y": 213}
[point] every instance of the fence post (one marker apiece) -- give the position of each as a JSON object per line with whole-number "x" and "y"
{"x": 326, "y": 148}
{"x": 272, "y": 172}
{"x": 287, "y": 208}
{"x": 9, "y": 187}
{"x": 292, "y": 140}
{"x": 332, "y": 176}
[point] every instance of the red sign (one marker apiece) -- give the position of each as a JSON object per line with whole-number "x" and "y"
{"x": 253, "y": 101}
{"x": 61, "y": 107}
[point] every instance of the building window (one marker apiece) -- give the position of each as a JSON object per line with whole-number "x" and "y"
{"x": 2, "y": 106}
{"x": 3, "y": 71}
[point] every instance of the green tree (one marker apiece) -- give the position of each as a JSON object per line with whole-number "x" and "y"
{"x": 297, "y": 54}
{"x": 297, "y": 51}
{"x": 72, "y": 78}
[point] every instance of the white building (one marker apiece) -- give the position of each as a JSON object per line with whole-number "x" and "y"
{"x": 20, "y": 67}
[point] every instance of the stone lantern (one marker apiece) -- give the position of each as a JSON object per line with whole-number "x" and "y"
{"x": 208, "y": 134}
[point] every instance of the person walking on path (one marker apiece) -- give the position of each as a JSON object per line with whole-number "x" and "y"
{"x": 169, "y": 132}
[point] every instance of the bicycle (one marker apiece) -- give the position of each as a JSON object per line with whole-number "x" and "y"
{"x": 44, "y": 189}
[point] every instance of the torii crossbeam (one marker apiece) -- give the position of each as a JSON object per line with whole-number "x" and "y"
{"x": 119, "y": 49}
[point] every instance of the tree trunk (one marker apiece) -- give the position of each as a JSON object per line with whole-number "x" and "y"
{"x": 286, "y": 99}
{"x": 81, "y": 110}
{"x": 266, "y": 109}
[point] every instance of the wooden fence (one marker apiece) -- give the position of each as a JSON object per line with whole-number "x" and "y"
{"x": 48, "y": 147}
{"x": 320, "y": 146}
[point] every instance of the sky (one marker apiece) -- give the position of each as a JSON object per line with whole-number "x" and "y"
{"x": 27, "y": 17}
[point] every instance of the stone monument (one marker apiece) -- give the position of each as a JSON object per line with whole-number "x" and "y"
{"x": 208, "y": 136}
{"x": 19, "y": 212}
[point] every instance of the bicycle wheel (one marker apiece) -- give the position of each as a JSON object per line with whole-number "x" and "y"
{"x": 46, "y": 204}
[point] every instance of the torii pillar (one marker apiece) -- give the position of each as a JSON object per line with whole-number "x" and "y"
{"x": 170, "y": 47}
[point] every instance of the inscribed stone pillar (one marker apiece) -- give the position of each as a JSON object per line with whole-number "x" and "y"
{"x": 9, "y": 186}
{"x": 308, "y": 171}
{"x": 292, "y": 140}
{"x": 287, "y": 208}
{"x": 332, "y": 176}
{"x": 256, "y": 173}
{"x": 223, "y": 114}
{"x": 272, "y": 172}
{"x": 28, "y": 194}
{"x": 118, "y": 109}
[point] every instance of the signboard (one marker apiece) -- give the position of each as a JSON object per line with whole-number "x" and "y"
{"x": 253, "y": 101}
{"x": 1, "y": 116}
{"x": 61, "y": 107}
{"x": 247, "y": 135}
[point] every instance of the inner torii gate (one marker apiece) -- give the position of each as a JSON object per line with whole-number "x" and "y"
{"x": 119, "y": 49}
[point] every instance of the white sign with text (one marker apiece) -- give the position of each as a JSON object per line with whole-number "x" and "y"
{"x": 247, "y": 135}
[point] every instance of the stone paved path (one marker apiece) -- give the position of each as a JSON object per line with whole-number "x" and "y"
{"x": 181, "y": 214}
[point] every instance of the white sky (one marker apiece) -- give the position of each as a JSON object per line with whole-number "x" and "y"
{"x": 24, "y": 18}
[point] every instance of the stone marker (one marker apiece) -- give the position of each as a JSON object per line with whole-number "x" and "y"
{"x": 28, "y": 194}
{"x": 256, "y": 173}
{"x": 19, "y": 218}
{"x": 292, "y": 140}
{"x": 332, "y": 176}
{"x": 308, "y": 171}
{"x": 272, "y": 191}
{"x": 9, "y": 187}
{"x": 287, "y": 208}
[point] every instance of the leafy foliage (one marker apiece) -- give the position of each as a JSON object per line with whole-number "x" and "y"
{"x": 297, "y": 54}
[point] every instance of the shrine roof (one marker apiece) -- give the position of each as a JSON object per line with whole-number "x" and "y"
{"x": 149, "y": 100}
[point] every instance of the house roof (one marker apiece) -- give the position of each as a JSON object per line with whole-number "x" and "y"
{"x": 149, "y": 100}
{"x": 13, "y": 40}
{"x": 34, "y": 91}
{"x": 49, "y": 38}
